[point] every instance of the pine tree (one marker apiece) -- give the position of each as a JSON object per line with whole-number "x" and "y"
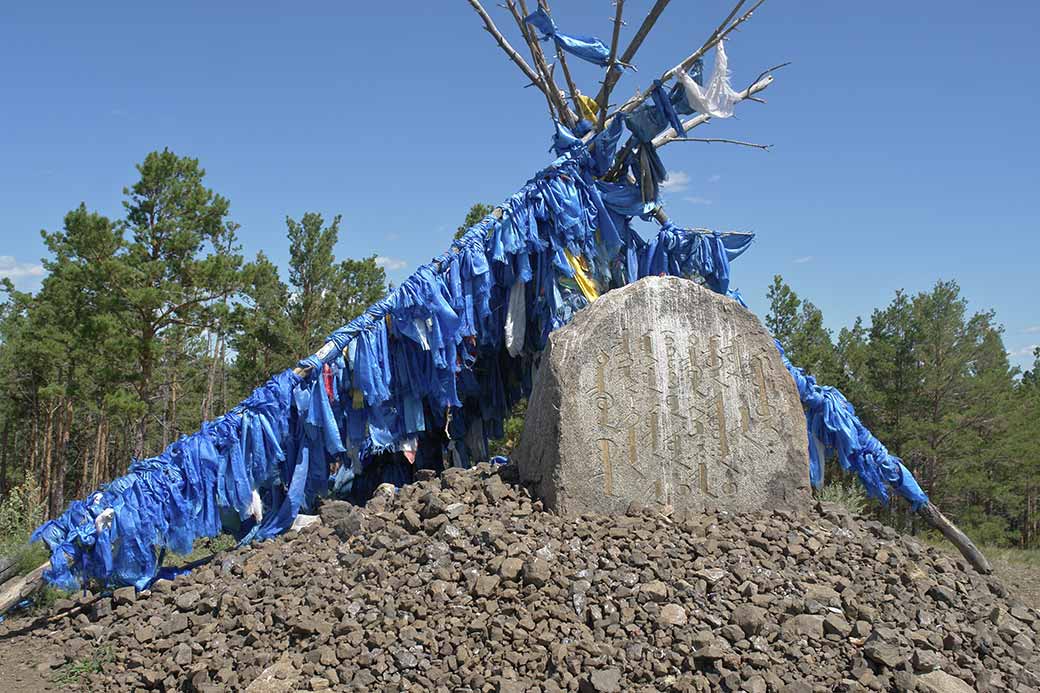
{"x": 475, "y": 214}
{"x": 181, "y": 259}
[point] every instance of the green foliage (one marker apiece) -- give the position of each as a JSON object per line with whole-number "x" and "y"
{"x": 277, "y": 324}
{"x": 799, "y": 326}
{"x": 513, "y": 427}
{"x": 21, "y": 511}
{"x": 146, "y": 325}
{"x": 475, "y": 214}
{"x": 75, "y": 672}
{"x": 848, "y": 495}
{"x": 933, "y": 382}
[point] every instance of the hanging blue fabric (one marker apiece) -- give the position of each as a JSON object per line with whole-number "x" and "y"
{"x": 604, "y": 146}
{"x": 664, "y": 105}
{"x": 587, "y": 48}
{"x": 563, "y": 139}
{"x": 832, "y": 420}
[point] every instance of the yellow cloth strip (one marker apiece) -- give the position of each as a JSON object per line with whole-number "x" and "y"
{"x": 585, "y": 283}
{"x": 588, "y": 107}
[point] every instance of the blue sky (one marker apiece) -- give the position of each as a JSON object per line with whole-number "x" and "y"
{"x": 905, "y": 147}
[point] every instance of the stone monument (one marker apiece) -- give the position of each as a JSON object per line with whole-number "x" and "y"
{"x": 664, "y": 392}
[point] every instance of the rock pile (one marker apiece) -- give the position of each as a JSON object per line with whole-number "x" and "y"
{"x": 462, "y": 583}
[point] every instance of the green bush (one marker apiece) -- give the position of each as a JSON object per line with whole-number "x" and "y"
{"x": 513, "y": 427}
{"x": 850, "y": 496}
{"x": 20, "y": 513}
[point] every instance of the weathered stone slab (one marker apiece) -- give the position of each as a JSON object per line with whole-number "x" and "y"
{"x": 664, "y": 392}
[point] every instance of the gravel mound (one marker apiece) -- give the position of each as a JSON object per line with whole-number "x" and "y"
{"x": 462, "y": 583}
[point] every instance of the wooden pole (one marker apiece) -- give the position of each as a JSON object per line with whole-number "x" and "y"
{"x": 609, "y": 79}
{"x": 614, "y": 71}
{"x": 562, "y": 58}
{"x": 489, "y": 26}
{"x": 956, "y": 537}
{"x": 563, "y": 111}
{"x": 14, "y": 591}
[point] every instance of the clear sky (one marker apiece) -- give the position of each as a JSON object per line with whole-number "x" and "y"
{"x": 905, "y": 145}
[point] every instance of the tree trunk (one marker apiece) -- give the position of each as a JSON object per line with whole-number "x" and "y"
{"x": 3, "y": 458}
{"x": 84, "y": 486}
{"x": 172, "y": 428}
{"x": 45, "y": 462}
{"x": 57, "y": 492}
{"x": 95, "y": 469}
{"x": 207, "y": 401}
{"x": 223, "y": 378}
{"x": 34, "y": 438}
{"x": 144, "y": 389}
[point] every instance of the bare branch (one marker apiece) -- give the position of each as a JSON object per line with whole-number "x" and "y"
{"x": 770, "y": 70}
{"x": 489, "y": 26}
{"x": 670, "y": 135}
{"x": 564, "y": 113}
{"x": 562, "y": 59}
{"x": 710, "y": 140}
{"x": 614, "y": 72}
{"x": 545, "y": 78}
{"x": 604, "y": 92}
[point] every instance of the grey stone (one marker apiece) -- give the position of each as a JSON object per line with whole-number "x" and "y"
{"x": 750, "y": 618}
{"x": 664, "y": 392}
{"x": 186, "y": 601}
{"x": 925, "y": 661}
{"x": 672, "y": 615}
{"x": 656, "y": 591}
{"x": 603, "y": 681}
{"x": 836, "y": 624}
{"x": 884, "y": 654}
{"x": 536, "y": 572}
{"x": 803, "y": 625}
{"x": 346, "y": 519}
{"x": 273, "y": 679}
{"x": 941, "y": 682}
{"x": 182, "y": 654}
{"x": 510, "y": 568}
{"x": 124, "y": 595}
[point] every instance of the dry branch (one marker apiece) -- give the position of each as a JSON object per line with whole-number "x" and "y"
{"x": 614, "y": 71}
{"x": 603, "y": 96}
{"x": 544, "y": 4}
{"x": 17, "y": 589}
{"x": 720, "y": 140}
{"x": 956, "y": 537}
{"x": 489, "y": 26}
{"x": 559, "y": 103}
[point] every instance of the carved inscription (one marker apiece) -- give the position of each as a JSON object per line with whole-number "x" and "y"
{"x": 708, "y": 400}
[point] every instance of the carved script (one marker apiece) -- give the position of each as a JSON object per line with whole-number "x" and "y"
{"x": 672, "y": 413}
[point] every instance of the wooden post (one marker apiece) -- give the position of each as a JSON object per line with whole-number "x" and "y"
{"x": 14, "y": 591}
{"x": 956, "y": 537}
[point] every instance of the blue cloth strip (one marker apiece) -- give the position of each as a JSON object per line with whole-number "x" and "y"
{"x": 587, "y": 48}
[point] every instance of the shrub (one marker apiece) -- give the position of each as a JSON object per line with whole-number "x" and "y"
{"x": 20, "y": 513}
{"x": 850, "y": 496}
